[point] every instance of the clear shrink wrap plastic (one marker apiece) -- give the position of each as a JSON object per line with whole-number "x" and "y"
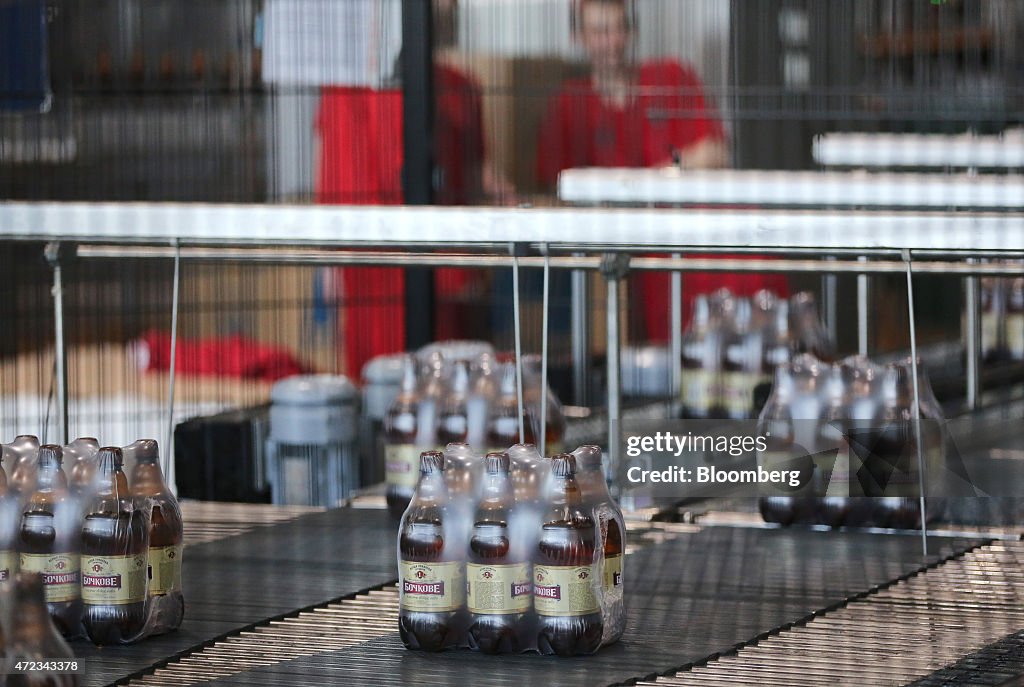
{"x": 96, "y": 541}
{"x": 850, "y": 426}
{"x": 27, "y": 633}
{"x": 166, "y": 538}
{"x": 733, "y": 345}
{"x": 511, "y": 552}
{"x": 469, "y": 397}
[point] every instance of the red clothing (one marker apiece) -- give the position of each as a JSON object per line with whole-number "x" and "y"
{"x": 361, "y": 164}
{"x": 668, "y": 113}
{"x": 226, "y": 356}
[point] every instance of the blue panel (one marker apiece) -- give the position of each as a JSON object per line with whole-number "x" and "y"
{"x": 24, "y": 68}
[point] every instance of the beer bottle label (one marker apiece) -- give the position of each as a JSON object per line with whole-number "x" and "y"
{"x": 114, "y": 580}
{"x": 402, "y": 465}
{"x": 698, "y": 389}
{"x": 59, "y": 571}
{"x": 738, "y": 392}
{"x": 498, "y": 589}
{"x": 432, "y": 587}
{"x": 989, "y": 332}
{"x": 8, "y": 564}
{"x": 613, "y": 571}
{"x": 165, "y": 569}
{"x": 564, "y": 590}
{"x": 1015, "y": 334}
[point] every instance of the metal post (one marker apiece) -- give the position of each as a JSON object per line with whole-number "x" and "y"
{"x": 417, "y": 156}
{"x": 518, "y": 332}
{"x": 52, "y": 253}
{"x": 916, "y": 416}
{"x": 169, "y": 444}
{"x": 862, "y": 311}
{"x": 829, "y": 285}
{"x": 675, "y": 332}
{"x": 614, "y": 267}
{"x": 580, "y": 324}
{"x": 545, "y": 306}
{"x": 972, "y": 338}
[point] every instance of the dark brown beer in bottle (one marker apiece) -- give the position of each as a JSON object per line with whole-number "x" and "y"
{"x": 82, "y": 468}
{"x": 700, "y": 363}
{"x": 166, "y": 538}
{"x": 453, "y": 419}
{"x": 34, "y": 638}
{"x": 612, "y": 533}
{"x": 503, "y": 422}
{"x": 401, "y": 455}
{"x": 832, "y": 487}
{"x": 499, "y": 590}
{"x": 432, "y": 583}
{"x": 26, "y": 462}
{"x": 893, "y": 463}
{"x": 776, "y": 426}
{"x": 8, "y": 528}
{"x": 48, "y": 546}
{"x": 115, "y": 543}
{"x": 564, "y": 575}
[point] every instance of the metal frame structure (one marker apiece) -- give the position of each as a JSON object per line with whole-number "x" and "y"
{"x": 580, "y": 239}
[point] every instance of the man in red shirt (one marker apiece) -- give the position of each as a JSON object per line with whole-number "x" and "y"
{"x": 626, "y": 115}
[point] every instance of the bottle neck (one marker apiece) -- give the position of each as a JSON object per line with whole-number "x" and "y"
{"x": 50, "y": 477}
{"x": 497, "y": 492}
{"x": 111, "y": 484}
{"x": 33, "y": 617}
{"x": 565, "y": 491}
{"x": 431, "y": 490}
{"x": 148, "y": 479}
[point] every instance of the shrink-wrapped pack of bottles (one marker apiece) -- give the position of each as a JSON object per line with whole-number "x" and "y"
{"x": 462, "y": 396}
{"x": 851, "y": 426}
{"x": 102, "y": 531}
{"x": 733, "y": 344}
{"x": 511, "y": 552}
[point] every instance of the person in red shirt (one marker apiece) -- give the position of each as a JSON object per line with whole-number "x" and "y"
{"x": 626, "y": 115}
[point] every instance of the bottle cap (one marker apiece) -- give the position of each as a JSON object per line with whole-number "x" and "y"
{"x": 563, "y": 465}
{"x": 497, "y": 463}
{"x": 147, "y": 451}
{"x": 431, "y": 462}
{"x": 51, "y": 453}
{"x": 114, "y": 454}
{"x": 588, "y": 456}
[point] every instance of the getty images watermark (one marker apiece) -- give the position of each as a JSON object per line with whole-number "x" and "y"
{"x": 709, "y": 458}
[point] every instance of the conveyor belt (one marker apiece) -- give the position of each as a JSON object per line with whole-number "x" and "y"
{"x": 903, "y": 634}
{"x": 999, "y": 663}
{"x": 689, "y": 598}
{"x": 207, "y": 521}
{"x": 271, "y": 571}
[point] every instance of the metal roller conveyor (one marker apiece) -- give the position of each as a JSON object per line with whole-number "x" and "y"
{"x": 956, "y": 623}
{"x": 290, "y": 603}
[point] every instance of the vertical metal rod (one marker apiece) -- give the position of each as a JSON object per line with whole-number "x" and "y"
{"x": 862, "y": 311}
{"x": 168, "y": 445}
{"x": 580, "y": 323}
{"x": 416, "y": 61}
{"x": 972, "y": 338}
{"x": 545, "y": 307}
{"x": 518, "y": 343}
{"x": 829, "y": 284}
{"x": 916, "y": 416}
{"x": 52, "y": 252}
{"x": 675, "y": 332}
{"x": 614, "y": 384}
